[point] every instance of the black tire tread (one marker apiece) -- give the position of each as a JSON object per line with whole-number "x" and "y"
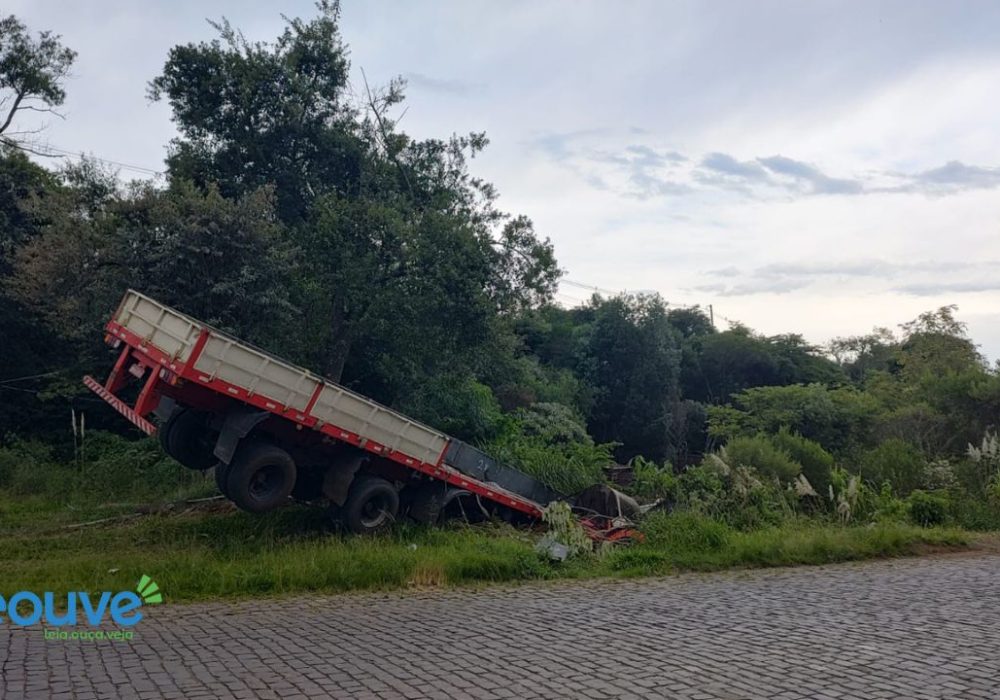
{"x": 250, "y": 456}
{"x": 363, "y": 487}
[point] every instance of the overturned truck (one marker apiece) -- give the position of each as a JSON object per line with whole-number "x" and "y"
{"x": 272, "y": 430}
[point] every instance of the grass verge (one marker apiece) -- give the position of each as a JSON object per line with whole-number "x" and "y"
{"x": 208, "y": 555}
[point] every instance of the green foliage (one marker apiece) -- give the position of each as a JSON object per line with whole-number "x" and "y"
{"x": 733, "y": 494}
{"x": 775, "y": 546}
{"x": 723, "y": 364}
{"x": 760, "y": 454}
{"x": 896, "y": 462}
{"x": 459, "y": 406}
{"x": 568, "y": 468}
{"x": 653, "y": 481}
{"x": 107, "y": 468}
{"x": 565, "y": 529}
{"x": 213, "y": 555}
{"x": 632, "y": 359}
{"x": 927, "y": 509}
{"x": 816, "y": 462}
{"x": 837, "y": 419}
{"x": 310, "y": 224}
{"x": 553, "y": 423}
{"x": 31, "y": 72}
{"x": 399, "y": 243}
{"x": 687, "y": 531}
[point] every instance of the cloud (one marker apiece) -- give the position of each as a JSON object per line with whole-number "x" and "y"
{"x": 928, "y": 289}
{"x": 643, "y": 171}
{"x": 752, "y": 287}
{"x": 441, "y": 85}
{"x": 727, "y": 165}
{"x": 955, "y": 175}
{"x": 810, "y": 177}
{"x": 730, "y": 271}
{"x": 931, "y": 278}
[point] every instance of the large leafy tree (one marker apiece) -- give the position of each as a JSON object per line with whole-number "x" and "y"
{"x": 405, "y": 265}
{"x": 632, "y": 361}
{"x": 216, "y": 258}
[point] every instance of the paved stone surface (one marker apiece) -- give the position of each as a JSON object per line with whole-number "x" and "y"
{"x": 918, "y": 628}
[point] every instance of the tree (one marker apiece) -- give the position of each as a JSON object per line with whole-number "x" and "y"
{"x": 27, "y": 347}
{"x": 632, "y": 360}
{"x": 839, "y": 419}
{"x": 220, "y": 260}
{"x": 31, "y": 74}
{"x": 405, "y": 267}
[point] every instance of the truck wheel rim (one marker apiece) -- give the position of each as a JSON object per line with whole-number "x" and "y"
{"x": 265, "y": 482}
{"x": 375, "y": 511}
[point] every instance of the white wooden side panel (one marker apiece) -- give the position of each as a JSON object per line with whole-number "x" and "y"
{"x": 292, "y": 387}
{"x": 161, "y": 326}
{"x": 242, "y": 366}
{"x": 359, "y": 415}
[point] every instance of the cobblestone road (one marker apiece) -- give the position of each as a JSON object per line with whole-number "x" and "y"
{"x": 918, "y": 628}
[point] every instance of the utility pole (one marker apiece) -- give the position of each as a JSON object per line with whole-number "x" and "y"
{"x": 711, "y": 315}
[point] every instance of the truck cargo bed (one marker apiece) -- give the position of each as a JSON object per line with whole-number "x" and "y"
{"x": 181, "y": 349}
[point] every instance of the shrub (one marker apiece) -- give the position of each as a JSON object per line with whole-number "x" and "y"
{"x": 927, "y": 509}
{"x": 816, "y": 462}
{"x": 568, "y": 467}
{"x": 653, "y": 481}
{"x": 554, "y": 423}
{"x": 733, "y": 495}
{"x": 973, "y": 514}
{"x": 760, "y": 454}
{"x": 896, "y": 462}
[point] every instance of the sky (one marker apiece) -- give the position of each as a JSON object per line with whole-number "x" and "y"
{"x": 820, "y": 168}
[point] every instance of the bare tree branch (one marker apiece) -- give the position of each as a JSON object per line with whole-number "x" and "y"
{"x": 377, "y": 112}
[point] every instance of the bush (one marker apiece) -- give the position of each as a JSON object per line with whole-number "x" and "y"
{"x": 927, "y": 509}
{"x": 733, "y": 495}
{"x": 653, "y": 481}
{"x": 816, "y": 462}
{"x": 973, "y": 514}
{"x": 896, "y": 462}
{"x": 553, "y": 422}
{"x": 568, "y": 468}
{"x": 760, "y": 454}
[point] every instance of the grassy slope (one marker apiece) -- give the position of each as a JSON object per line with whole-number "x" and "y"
{"x": 228, "y": 554}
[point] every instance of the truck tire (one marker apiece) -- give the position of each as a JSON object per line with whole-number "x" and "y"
{"x": 187, "y": 439}
{"x": 222, "y": 478}
{"x": 260, "y": 476}
{"x": 371, "y": 506}
{"x": 426, "y": 503}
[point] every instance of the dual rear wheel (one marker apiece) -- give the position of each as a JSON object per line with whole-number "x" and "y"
{"x": 261, "y": 477}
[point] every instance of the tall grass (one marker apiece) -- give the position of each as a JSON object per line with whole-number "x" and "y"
{"x": 199, "y": 556}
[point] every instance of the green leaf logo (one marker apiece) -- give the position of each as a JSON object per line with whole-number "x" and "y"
{"x": 149, "y": 591}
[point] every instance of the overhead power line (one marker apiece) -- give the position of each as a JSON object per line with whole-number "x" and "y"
{"x": 59, "y": 152}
